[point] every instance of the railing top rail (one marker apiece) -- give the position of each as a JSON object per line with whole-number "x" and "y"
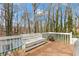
{"x": 57, "y": 33}
{"x": 31, "y": 34}
{"x": 10, "y": 37}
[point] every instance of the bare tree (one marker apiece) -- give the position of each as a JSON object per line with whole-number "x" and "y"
{"x": 8, "y": 9}
{"x": 24, "y": 19}
{"x": 2, "y": 22}
{"x": 27, "y": 15}
{"x": 34, "y": 6}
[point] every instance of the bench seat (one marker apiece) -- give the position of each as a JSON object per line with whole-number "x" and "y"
{"x": 33, "y": 41}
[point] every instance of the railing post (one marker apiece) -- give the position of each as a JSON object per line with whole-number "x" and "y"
{"x": 10, "y": 45}
{"x": 1, "y": 50}
{"x": 71, "y": 41}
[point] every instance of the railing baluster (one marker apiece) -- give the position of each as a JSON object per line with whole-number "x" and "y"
{"x": 65, "y": 39}
{"x": 18, "y": 44}
{"x": 1, "y": 50}
{"x": 58, "y": 36}
{"x": 10, "y": 44}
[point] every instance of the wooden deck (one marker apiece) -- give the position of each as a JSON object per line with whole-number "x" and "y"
{"x": 55, "y": 48}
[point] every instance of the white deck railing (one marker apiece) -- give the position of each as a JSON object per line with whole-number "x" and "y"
{"x": 10, "y": 43}
{"x": 66, "y": 37}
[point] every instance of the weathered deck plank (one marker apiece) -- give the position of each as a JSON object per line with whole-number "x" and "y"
{"x": 55, "y": 48}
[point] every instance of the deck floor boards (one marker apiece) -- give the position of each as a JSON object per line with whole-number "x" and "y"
{"x": 55, "y": 48}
